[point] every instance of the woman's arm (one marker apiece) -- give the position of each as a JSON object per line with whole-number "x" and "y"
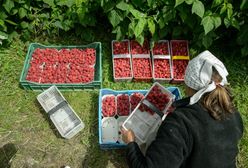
{"x": 170, "y": 148}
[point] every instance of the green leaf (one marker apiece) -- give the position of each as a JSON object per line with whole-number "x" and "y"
{"x": 150, "y": 2}
{"x": 216, "y": 3}
{"x": 151, "y": 26}
{"x": 235, "y": 23}
{"x": 139, "y": 28}
{"x": 131, "y": 27}
{"x": 49, "y": 2}
{"x": 137, "y": 14}
{"x": 189, "y": 2}
{"x": 217, "y": 21}
{"x": 168, "y": 16}
{"x": 124, "y": 6}
{"x": 108, "y": 6}
{"x": 223, "y": 9}
{"x": 22, "y": 13}
{"x": 58, "y": 24}
{"x": 67, "y": 3}
{"x": 229, "y": 10}
{"x": 244, "y": 5}
{"x": 2, "y": 23}
{"x": 24, "y": 25}
{"x": 10, "y": 22}
{"x": 14, "y": 11}
{"x": 208, "y": 24}
{"x": 198, "y": 8}
{"x": 8, "y": 5}
{"x": 3, "y": 35}
{"x": 207, "y": 41}
{"x": 140, "y": 39}
{"x": 80, "y": 2}
{"x": 161, "y": 23}
{"x": 114, "y": 18}
{"x": 178, "y": 2}
{"x": 244, "y": 50}
{"x": 242, "y": 38}
{"x": 3, "y": 15}
{"x": 227, "y": 22}
{"x": 177, "y": 31}
{"x": 118, "y": 33}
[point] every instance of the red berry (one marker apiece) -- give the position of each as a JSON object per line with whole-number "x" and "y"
{"x": 108, "y": 106}
{"x": 136, "y": 48}
{"x": 161, "y": 48}
{"x": 122, "y": 68}
{"x": 142, "y": 68}
{"x": 120, "y": 47}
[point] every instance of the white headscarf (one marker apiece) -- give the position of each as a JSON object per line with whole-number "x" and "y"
{"x": 199, "y": 73}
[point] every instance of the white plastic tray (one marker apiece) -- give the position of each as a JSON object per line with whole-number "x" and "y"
{"x": 109, "y": 129}
{"x": 60, "y": 112}
{"x": 143, "y": 123}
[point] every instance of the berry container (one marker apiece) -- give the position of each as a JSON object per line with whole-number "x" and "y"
{"x": 60, "y": 112}
{"x": 137, "y": 49}
{"x": 121, "y": 58}
{"x": 142, "y": 68}
{"x": 108, "y": 140}
{"x": 86, "y": 70}
{"x": 148, "y": 115}
{"x": 180, "y": 59}
{"x": 161, "y": 62}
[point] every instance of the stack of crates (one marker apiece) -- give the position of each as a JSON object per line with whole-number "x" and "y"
{"x": 165, "y": 62}
{"x": 111, "y": 118}
{"x": 121, "y": 58}
{"x": 161, "y": 60}
{"x": 180, "y": 59}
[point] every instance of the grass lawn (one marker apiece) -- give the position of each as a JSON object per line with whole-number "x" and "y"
{"x": 26, "y": 129}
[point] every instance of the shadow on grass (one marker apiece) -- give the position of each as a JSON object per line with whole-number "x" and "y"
{"x": 95, "y": 156}
{"x": 6, "y": 154}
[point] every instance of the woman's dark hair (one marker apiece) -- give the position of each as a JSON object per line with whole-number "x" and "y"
{"x": 219, "y": 102}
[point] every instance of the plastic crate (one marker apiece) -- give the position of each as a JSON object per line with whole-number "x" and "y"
{"x": 115, "y": 143}
{"x": 146, "y": 117}
{"x": 143, "y": 50}
{"x": 162, "y": 57}
{"x": 179, "y": 59}
{"x": 60, "y": 112}
{"x": 125, "y": 55}
{"x": 95, "y": 84}
{"x": 142, "y": 78}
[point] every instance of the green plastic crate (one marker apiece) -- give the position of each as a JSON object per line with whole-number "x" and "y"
{"x": 96, "y": 84}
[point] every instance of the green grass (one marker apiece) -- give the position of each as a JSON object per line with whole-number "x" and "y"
{"x": 25, "y": 125}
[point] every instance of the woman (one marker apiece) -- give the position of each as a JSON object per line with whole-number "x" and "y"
{"x": 203, "y": 130}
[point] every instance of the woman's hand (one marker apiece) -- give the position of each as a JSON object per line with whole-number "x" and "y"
{"x": 127, "y": 135}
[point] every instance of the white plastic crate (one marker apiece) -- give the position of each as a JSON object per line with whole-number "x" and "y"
{"x": 60, "y": 112}
{"x": 143, "y": 123}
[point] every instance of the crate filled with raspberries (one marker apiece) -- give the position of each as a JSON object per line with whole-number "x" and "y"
{"x": 121, "y": 57}
{"x": 161, "y": 61}
{"x": 141, "y": 61}
{"x": 180, "y": 59}
{"x": 116, "y": 106}
{"x": 148, "y": 115}
{"x": 67, "y": 67}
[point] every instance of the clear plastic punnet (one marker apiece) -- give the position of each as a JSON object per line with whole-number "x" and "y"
{"x": 150, "y": 112}
{"x": 60, "y": 112}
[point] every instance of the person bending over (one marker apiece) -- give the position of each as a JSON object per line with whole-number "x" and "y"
{"x": 204, "y": 129}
